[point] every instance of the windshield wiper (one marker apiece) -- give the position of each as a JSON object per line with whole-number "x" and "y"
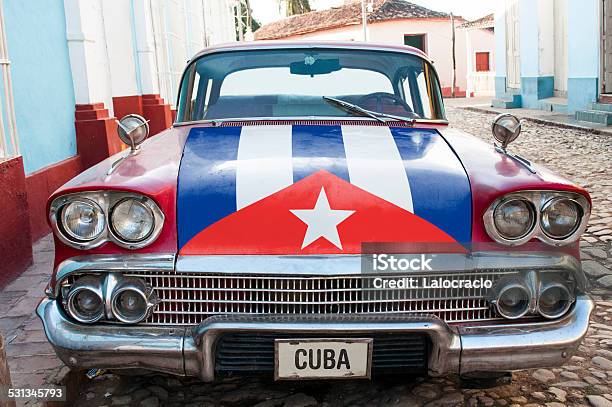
{"x": 352, "y": 108}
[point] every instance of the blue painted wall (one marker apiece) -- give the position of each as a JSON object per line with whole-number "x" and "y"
{"x": 42, "y": 81}
{"x": 529, "y": 43}
{"x": 583, "y": 53}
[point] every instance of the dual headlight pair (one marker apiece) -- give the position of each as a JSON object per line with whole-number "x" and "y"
{"x": 545, "y": 294}
{"x": 93, "y": 298}
{"x": 557, "y": 218}
{"x": 87, "y": 220}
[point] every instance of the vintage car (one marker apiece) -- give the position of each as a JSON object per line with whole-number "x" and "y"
{"x": 310, "y": 214}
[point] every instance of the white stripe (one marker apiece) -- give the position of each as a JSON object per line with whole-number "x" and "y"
{"x": 264, "y": 163}
{"x": 374, "y": 164}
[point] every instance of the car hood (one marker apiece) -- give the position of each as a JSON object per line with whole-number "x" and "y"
{"x": 318, "y": 189}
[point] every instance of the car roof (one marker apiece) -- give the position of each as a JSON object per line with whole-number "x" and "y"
{"x": 348, "y": 45}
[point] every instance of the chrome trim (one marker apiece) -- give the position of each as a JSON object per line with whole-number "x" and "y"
{"x": 270, "y": 264}
{"x": 106, "y": 200}
{"x": 252, "y": 46}
{"x": 523, "y": 161}
{"x": 299, "y": 265}
{"x": 538, "y": 199}
{"x": 110, "y": 263}
{"x": 182, "y": 351}
{"x": 300, "y": 118}
{"x": 106, "y": 346}
{"x": 444, "y": 355}
{"x": 111, "y": 281}
{"x": 525, "y": 346}
{"x": 115, "y": 165}
{"x": 351, "y": 264}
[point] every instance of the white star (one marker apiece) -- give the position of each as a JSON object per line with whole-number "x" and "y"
{"x": 322, "y": 221}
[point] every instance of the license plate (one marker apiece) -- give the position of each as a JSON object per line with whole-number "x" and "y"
{"x": 322, "y": 358}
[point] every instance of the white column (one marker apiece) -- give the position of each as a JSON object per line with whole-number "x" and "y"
{"x": 470, "y": 64}
{"x": 89, "y": 60}
{"x": 145, "y": 48}
{"x": 120, "y": 47}
{"x": 546, "y": 37}
{"x": 500, "y": 38}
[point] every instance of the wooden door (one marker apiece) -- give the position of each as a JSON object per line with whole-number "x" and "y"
{"x": 513, "y": 58}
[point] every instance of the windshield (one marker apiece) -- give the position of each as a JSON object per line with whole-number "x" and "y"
{"x": 293, "y": 83}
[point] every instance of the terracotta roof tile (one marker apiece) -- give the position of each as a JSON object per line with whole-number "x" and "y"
{"x": 484, "y": 22}
{"x": 342, "y": 16}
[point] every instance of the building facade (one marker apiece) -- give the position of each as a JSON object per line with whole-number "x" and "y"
{"x": 480, "y": 76}
{"x": 69, "y": 69}
{"x": 551, "y": 55}
{"x": 397, "y": 22}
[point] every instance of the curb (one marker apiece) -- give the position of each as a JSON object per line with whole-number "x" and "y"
{"x": 543, "y": 121}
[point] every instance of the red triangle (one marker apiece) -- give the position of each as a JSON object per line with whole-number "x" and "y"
{"x": 268, "y": 226}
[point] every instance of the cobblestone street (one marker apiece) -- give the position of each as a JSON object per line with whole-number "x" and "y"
{"x": 585, "y": 381}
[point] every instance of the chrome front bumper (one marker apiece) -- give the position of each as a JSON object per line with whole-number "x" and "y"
{"x": 190, "y": 351}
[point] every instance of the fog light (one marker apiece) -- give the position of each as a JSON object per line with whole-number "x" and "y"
{"x": 85, "y": 301}
{"x": 511, "y": 297}
{"x": 131, "y": 301}
{"x": 555, "y": 300}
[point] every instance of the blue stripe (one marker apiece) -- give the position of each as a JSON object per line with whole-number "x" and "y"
{"x": 440, "y": 187}
{"x": 318, "y": 148}
{"x": 207, "y": 179}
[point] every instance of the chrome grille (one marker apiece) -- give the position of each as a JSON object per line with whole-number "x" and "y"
{"x": 189, "y": 298}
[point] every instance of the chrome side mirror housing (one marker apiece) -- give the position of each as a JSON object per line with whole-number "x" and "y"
{"x": 506, "y": 128}
{"x": 133, "y": 130}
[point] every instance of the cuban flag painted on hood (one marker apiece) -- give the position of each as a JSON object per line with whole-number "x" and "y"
{"x": 318, "y": 189}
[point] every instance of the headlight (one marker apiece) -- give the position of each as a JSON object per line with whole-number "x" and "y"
{"x": 83, "y": 219}
{"x": 560, "y": 218}
{"x": 86, "y": 220}
{"x": 132, "y": 220}
{"x": 85, "y": 300}
{"x": 514, "y": 219}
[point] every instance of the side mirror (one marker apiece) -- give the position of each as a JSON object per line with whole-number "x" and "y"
{"x": 133, "y": 130}
{"x": 506, "y": 129}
